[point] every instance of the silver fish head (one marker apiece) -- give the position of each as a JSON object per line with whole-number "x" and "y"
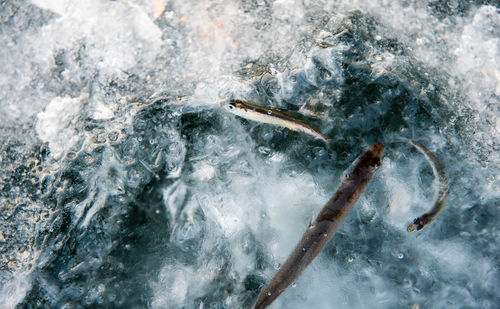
{"x": 229, "y": 105}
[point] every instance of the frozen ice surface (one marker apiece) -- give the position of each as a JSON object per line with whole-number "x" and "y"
{"x": 124, "y": 184}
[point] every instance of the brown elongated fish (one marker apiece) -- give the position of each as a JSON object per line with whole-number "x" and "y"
{"x": 325, "y": 225}
{"x": 441, "y": 192}
{"x": 271, "y": 116}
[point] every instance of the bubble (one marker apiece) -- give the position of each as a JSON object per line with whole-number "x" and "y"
{"x": 171, "y": 166}
{"x": 407, "y": 283}
{"x": 137, "y": 175}
{"x": 173, "y": 147}
{"x": 128, "y": 150}
{"x": 326, "y": 75}
{"x": 274, "y": 89}
{"x": 111, "y": 297}
{"x": 99, "y": 139}
{"x": 113, "y": 136}
{"x": 264, "y": 150}
{"x": 88, "y": 158}
{"x": 397, "y": 254}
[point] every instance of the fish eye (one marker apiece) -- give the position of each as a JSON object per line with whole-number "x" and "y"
{"x": 231, "y": 106}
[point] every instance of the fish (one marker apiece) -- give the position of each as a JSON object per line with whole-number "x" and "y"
{"x": 325, "y": 225}
{"x": 441, "y": 194}
{"x": 271, "y": 116}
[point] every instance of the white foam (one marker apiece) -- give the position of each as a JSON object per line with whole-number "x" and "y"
{"x": 102, "y": 112}
{"x": 173, "y": 284}
{"x": 14, "y": 289}
{"x": 55, "y": 124}
{"x": 478, "y": 55}
{"x": 115, "y": 43}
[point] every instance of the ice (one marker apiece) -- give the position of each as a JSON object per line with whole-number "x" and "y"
{"x": 124, "y": 184}
{"x": 14, "y": 290}
{"x": 55, "y": 126}
{"x": 116, "y": 48}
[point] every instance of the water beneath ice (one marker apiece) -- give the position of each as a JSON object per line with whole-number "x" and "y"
{"x": 124, "y": 184}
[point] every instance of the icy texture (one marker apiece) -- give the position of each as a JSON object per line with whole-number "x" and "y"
{"x": 54, "y": 125}
{"x": 124, "y": 184}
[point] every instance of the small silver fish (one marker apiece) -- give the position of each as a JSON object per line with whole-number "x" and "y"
{"x": 267, "y": 115}
{"x": 441, "y": 192}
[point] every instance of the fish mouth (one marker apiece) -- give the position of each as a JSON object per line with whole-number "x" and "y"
{"x": 225, "y": 103}
{"x": 377, "y": 149}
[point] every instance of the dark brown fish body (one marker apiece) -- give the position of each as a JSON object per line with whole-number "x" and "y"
{"x": 325, "y": 225}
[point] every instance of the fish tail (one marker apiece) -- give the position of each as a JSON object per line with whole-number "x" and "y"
{"x": 327, "y": 141}
{"x": 329, "y": 146}
{"x": 401, "y": 140}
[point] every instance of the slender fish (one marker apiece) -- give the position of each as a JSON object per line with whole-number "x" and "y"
{"x": 325, "y": 225}
{"x": 441, "y": 192}
{"x": 271, "y": 116}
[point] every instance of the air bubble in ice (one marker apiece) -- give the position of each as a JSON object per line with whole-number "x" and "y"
{"x": 264, "y": 150}
{"x": 397, "y": 254}
{"x": 113, "y": 136}
{"x": 100, "y": 138}
{"x": 137, "y": 176}
{"x": 326, "y": 75}
{"x": 88, "y": 158}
